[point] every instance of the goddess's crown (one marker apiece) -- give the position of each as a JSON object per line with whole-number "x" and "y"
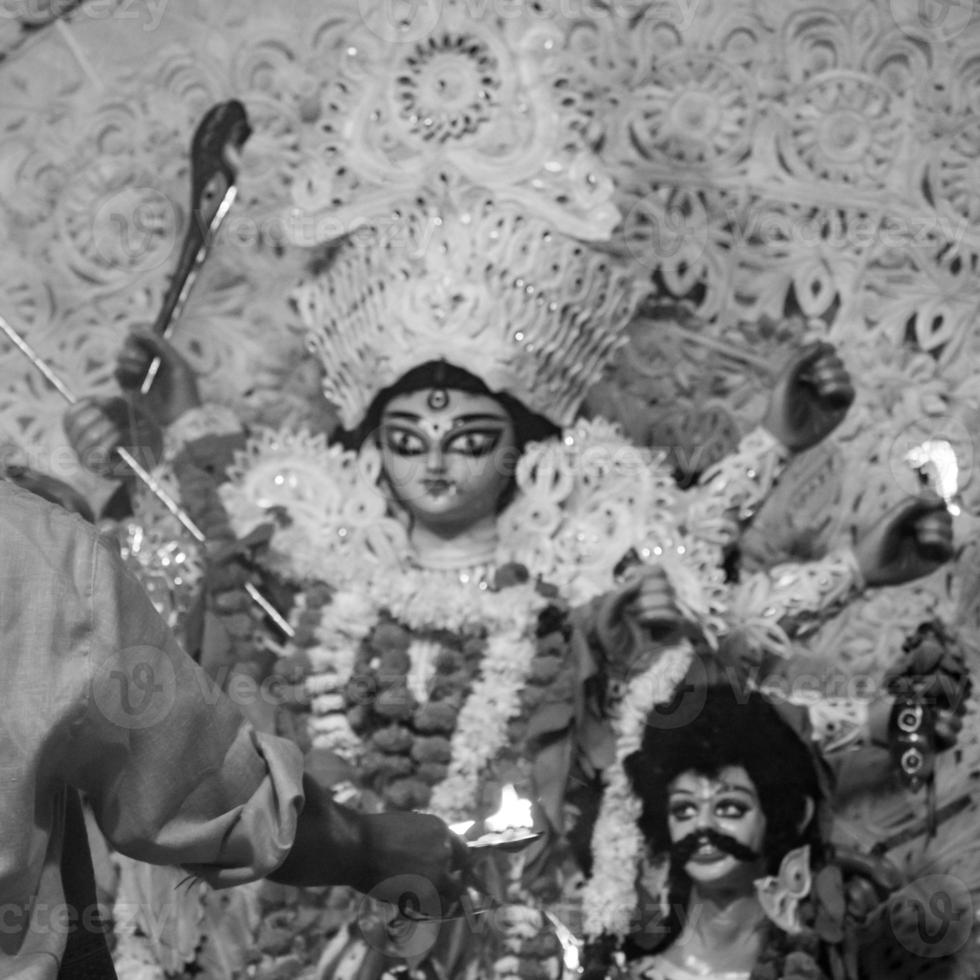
{"x": 461, "y": 185}
{"x": 528, "y": 311}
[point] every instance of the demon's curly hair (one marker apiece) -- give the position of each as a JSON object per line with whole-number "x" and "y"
{"x": 732, "y": 728}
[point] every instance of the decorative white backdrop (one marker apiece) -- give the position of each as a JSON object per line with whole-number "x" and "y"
{"x": 786, "y": 169}
{"x": 771, "y": 158}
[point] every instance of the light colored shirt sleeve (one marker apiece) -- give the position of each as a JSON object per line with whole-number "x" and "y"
{"x": 173, "y": 772}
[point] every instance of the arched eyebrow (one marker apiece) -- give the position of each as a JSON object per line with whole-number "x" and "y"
{"x": 724, "y": 787}
{"x": 479, "y": 417}
{"x": 739, "y": 788}
{"x": 401, "y": 416}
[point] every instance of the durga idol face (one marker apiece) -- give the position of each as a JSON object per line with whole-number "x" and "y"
{"x": 448, "y": 456}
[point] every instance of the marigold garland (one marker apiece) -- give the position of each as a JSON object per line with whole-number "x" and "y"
{"x": 429, "y": 752}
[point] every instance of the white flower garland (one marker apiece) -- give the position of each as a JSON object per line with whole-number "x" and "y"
{"x": 454, "y": 600}
{"x": 481, "y": 729}
{"x": 609, "y": 898}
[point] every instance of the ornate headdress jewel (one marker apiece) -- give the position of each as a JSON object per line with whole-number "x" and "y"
{"x": 462, "y": 182}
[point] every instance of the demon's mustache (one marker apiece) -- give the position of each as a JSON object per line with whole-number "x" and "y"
{"x": 682, "y": 851}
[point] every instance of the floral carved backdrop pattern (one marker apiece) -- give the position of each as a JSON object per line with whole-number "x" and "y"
{"x": 784, "y": 171}
{"x": 770, "y": 159}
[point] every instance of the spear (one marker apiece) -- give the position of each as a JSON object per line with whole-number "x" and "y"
{"x": 139, "y": 470}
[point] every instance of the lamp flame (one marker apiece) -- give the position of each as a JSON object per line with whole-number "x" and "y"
{"x": 514, "y": 812}
{"x": 935, "y": 461}
{"x": 511, "y": 825}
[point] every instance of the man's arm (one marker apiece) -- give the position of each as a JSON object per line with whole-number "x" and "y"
{"x": 173, "y": 772}
{"x": 176, "y": 776}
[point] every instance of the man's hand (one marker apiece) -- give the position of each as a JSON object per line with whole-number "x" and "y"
{"x": 911, "y": 540}
{"x": 386, "y": 855}
{"x": 174, "y": 388}
{"x": 405, "y": 846}
{"x": 811, "y": 396}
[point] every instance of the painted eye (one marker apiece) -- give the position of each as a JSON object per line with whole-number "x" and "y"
{"x": 475, "y": 442}
{"x": 404, "y": 443}
{"x": 682, "y": 811}
{"x": 731, "y": 809}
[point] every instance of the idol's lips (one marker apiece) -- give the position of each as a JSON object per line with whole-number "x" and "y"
{"x": 707, "y": 855}
{"x": 438, "y": 487}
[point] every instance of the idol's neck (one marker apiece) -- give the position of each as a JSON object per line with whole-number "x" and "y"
{"x": 464, "y": 548}
{"x": 723, "y": 935}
